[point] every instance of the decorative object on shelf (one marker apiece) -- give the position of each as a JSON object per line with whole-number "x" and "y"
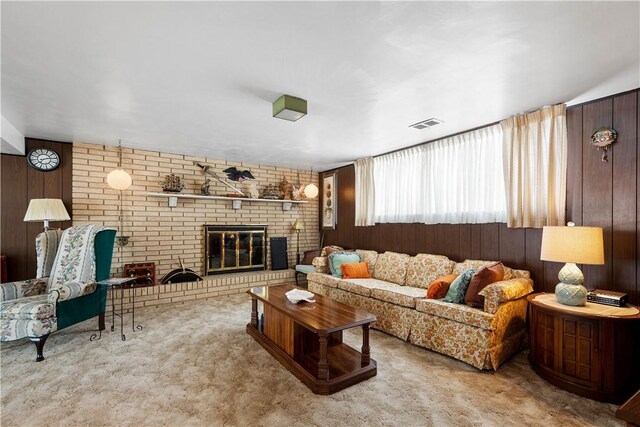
{"x": 43, "y": 159}
{"x": 208, "y": 170}
{"x": 329, "y": 183}
{"x": 270, "y": 191}
{"x": 237, "y": 175}
{"x": 181, "y": 275}
{"x": 46, "y": 210}
{"x": 173, "y": 183}
{"x": 571, "y": 244}
{"x": 120, "y": 180}
{"x": 289, "y": 108}
{"x": 602, "y": 138}
{"x": 285, "y": 189}
{"x": 236, "y": 201}
{"x": 251, "y": 189}
{"x": 298, "y": 226}
{"x": 204, "y": 188}
{"x": 144, "y": 273}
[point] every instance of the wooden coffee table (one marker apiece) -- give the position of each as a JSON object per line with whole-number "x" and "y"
{"x": 306, "y": 338}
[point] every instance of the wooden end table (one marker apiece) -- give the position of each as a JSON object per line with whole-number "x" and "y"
{"x": 306, "y": 338}
{"x": 588, "y": 353}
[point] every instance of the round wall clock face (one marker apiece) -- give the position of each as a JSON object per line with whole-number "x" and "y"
{"x": 43, "y": 159}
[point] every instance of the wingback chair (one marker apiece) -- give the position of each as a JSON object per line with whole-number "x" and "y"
{"x": 69, "y": 263}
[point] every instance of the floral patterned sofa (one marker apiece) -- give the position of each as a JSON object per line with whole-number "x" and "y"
{"x": 396, "y": 294}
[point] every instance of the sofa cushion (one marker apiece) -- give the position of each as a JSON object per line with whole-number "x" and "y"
{"x": 370, "y": 257}
{"x": 34, "y": 307}
{"x": 425, "y": 268}
{"x": 483, "y": 278}
{"x": 361, "y": 286}
{"x": 459, "y": 286}
{"x": 336, "y": 259}
{"x": 357, "y": 270}
{"x": 324, "y": 279}
{"x": 400, "y": 295}
{"x": 438, "y": 288}
{"x": 476, "y": 264}
{"x": 457, "y": 312}
{"x": 392, "y": 267}
{"x": 512, "y": 273}
{"x": 328, "y": 249}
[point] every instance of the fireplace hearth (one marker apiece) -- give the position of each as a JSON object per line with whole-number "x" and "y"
{"x": 234, "y": 248}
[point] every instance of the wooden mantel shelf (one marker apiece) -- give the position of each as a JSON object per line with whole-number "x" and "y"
{"x": 236, "y": 202}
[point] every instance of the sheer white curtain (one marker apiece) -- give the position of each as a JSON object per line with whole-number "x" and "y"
{"x": 365, "y": 192}
{"x": 453, "y": 180}
{"x": 535, "y": 167}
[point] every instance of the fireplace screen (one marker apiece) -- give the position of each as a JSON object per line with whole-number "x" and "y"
{"x": 229, "y": 248}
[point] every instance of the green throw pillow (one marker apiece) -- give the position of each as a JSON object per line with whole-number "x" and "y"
{"x": 458, "y": 287}
{"x": 336, "y": 259}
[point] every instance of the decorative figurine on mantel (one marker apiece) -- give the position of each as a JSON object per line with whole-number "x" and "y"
{"x": 172, "y": 183}
{"x": 204, "y": 188}
{"x": 270, "y": 191}
{"x": 285, "y": 189}
{"x": 233, "y": 174}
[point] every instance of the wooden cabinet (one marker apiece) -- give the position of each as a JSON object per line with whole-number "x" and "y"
{"x": 585, "y": 353}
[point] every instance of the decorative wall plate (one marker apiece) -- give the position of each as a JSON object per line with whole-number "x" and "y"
{"x": 602, "y": 138}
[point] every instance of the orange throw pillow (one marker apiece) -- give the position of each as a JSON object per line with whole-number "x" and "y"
{"x": 483, "y": 278}
{"x": 356, "y": 270}
{"x": 438, "y": 288}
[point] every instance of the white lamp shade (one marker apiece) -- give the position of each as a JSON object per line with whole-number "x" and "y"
{"x": 119, "y": 179}
{"x": 298, "y": 224}
{"x": 46, "y": 210}
{"x": 311, "y": 191}
{"x": 581, "y": 245}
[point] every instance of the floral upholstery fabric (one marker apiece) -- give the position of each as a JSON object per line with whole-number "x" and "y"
{"x": 29, "y": 308}
{"x": 46, "y": 250}
{"x": 424, "y": 269}
{"x": 400, "y": 295}
{"x": 459, "y": 312}
{"x": 506, "y": 290}
{"x": 512, "y": 273}
{"x": 75, "y": 260}
{"x": 392, "y": 267}
{"x": 23, "y": 288}
{"x": 20, "y": 328}
{"x": 321, "y": 264}
{"x": 324, "y": 252}
{"x": 361, "y": 286}
{"x": 370, "y": 257}
{"x": 477, "y": 264}
{"x": 324, "y": 278}
{"x": 509, "y": 331}
{"x": 71, "y": 290}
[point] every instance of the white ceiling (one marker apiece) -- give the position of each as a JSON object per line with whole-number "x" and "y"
{"x": 199, "y": 78}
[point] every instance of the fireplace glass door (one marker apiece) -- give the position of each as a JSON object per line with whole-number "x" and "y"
{"x": 234, "y": 248}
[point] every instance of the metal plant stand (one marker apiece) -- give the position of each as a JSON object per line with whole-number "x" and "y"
{"x": 121, "y": 284}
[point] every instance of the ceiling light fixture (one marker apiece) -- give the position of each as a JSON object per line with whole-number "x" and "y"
{"x": 290, "y": 108}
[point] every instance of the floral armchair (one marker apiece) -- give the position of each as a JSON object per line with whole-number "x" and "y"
{"x": 65, "y": 292}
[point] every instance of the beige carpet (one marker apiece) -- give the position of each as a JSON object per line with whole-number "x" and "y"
{"x": 195, "y": 365}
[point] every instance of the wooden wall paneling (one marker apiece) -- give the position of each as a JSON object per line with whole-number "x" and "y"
{"x": 624, "y": 163}
{"x": 13, "y": 176}
{"x": 429, "y": 240}
{"x": 574, "y": 162}
{"x": 66, "y": 170}
{"x": 533, "y": 241}
{"x": 510, "y": 239}
{"x": 35, "y": 190}
{"x": 464, "y": 234}
{"x": 451, "y": 240}
{"x": 490, "y": 242}
{"x": 597, "y": 189}
{"x": 476, "y": 241}
{"x": 636, "y": 300}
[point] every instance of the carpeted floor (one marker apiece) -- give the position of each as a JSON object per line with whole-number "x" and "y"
{"x": 195, "y": 365}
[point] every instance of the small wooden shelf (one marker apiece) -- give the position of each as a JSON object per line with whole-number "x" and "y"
{"x": 236, "y": 202}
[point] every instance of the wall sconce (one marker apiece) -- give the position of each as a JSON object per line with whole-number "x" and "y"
{"x": 120, "y": 180}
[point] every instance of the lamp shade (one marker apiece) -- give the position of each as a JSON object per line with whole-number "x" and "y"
{"x": 119, "y": 179}
{"x": 298, "y": 224}
{"x": 580, "y": 245}
{"x": 311, "y": 191}
{"x": 46, "y": 210}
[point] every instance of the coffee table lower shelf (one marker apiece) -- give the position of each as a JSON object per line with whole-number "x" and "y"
{"x": 345, "y": 365}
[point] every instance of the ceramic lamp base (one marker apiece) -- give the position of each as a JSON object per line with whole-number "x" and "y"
{"x": 568, "y": 294}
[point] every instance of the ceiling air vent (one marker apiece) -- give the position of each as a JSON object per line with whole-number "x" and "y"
{"x": 426, "y": 123}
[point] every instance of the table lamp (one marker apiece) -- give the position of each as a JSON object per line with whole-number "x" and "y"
{"x": 298, "y": 225}
{"x": 46, "y": 210}
{"x": 571, "y": 244}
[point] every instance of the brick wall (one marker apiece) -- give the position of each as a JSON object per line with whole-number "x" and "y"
{"x": 161, "y": 234}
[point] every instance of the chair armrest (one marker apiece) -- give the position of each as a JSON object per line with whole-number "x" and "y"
{"x": 71, "y": 290}
{"x": 506, "y": 290}
{"x": 23, "y": 288}
{"x": 321, "y": 263}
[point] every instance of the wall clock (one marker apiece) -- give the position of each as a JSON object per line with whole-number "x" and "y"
{"x": 43, "y": 159}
